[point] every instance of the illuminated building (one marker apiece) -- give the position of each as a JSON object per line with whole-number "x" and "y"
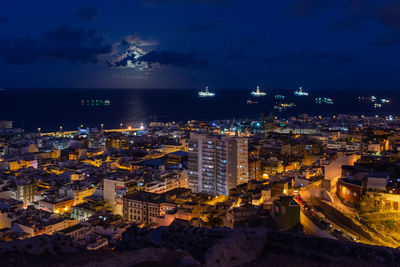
{"x": 255, "y": 169}
{"x": 96, "y": 140}
{"x": 177, "y": 157}
{"x": 217, "y": 163}
{"x": 145, "y": 207}
{"x": 83, "y": 211}
{"x": 241, "y": 216}
{"x": 377, "y": 181}
{"x": 59, "y": 206}
{"x": 173, "y": 147}
{"x": 272, "y": 167}
{"x": 26, "y": 190}
{"x": 115, "y": 189}
{"x": 349, "y": 190}
{"x": 6, "y": 124}
{"x": 35, "y": 222}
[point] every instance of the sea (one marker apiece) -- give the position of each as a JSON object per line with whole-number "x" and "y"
{"x": 49, "y": 109}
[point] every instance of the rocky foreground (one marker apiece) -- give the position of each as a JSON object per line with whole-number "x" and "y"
{"x": 188, "y": 246}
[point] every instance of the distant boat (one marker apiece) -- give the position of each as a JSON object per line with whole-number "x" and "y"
{"x": 288, "y": 105}
{"x": 301, "y": 92}
{"x": 279, "y": 97}
{"x": 206, "y": 93}
{"x": 249, "y": 101}
{"x": 95, "y": 102}
{"x": 325, "y": 100}
{"x": 284, "y": 106}
{"x": 258, "y": 92}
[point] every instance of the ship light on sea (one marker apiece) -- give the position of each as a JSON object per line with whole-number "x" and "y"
{"x": 206, "y": 93}
{"x": 258, "y": 92}
{"x": 324, "y": 100}
{"x": 301, "y": 92}
{"x": 249, "y": 101}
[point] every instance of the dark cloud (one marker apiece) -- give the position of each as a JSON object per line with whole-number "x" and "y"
{"x": 312, "y": 59}
{"x": 155, "y": 3}
{"x": 66, "y": 34}
{"x": 388, "y": 14}
{"x": 63, "y": 44}
{"x": 359, "y": 12}
{"x": 385, "y": 40}
{"x": 128, "y": 59}
{"x": 171, "y": 58}
{"x": 306, "y": 8}
{"x": 203, "y": 26}
{"x": 3, "y": 20}
{"x": 166, "y": 58}
{"x": 87, "y": 13}
{"x": 349, "y": 23}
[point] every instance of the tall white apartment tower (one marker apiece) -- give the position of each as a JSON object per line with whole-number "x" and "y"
{"x": 217, "y": 163}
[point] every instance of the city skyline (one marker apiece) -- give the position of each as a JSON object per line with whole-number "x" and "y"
{"x": 199, "y": 133}
{"x": 322, "y": 45}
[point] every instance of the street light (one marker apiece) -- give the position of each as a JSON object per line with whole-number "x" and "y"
{"x": 38, "y": 129}
{"x": 121, "y": 125}
{"x": 60, "y": 128}
{"x": 102, "y": 126}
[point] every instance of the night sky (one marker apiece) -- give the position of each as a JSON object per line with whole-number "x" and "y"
{"x": 226, "y": 44}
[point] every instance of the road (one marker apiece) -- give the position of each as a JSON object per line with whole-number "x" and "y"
{"x": 334, "y": 217}
{"x": 310, "y": 228}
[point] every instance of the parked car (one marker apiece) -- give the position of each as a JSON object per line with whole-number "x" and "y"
{"x": 325, "y": 225}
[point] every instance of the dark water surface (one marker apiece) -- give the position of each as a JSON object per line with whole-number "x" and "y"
{"x": 50, "y": 109}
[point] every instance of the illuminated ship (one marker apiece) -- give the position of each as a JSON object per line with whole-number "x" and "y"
{"x": 324, "y": 100}
{"x": 279, "y": 97}
{"x": 283, "y": 106}
{"x": 249, "y": 101}
{"x": 374, "y": 100}
{"x": 206, "y": 93}
{"x": 288, "y": 105}
{"x": 95, "y": 102}
{"x": 301, "y": 92}
{"x": 258, "y": 92}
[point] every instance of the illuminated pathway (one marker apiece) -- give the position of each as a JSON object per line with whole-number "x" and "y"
{"x": 68, "y": 133}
